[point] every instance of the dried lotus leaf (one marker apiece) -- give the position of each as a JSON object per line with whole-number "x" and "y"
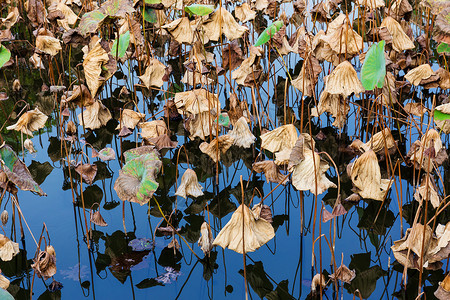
{"x": 422, "y": 72}
{"x": 8, "y": 248}
{"x": 44, "y": 265}
{"x": 271, "y": 171}
{"x": 400, "y": 40}
{"x": 205, "y": 242}
{"x": 241, "y": 134}
{"x": 94, "y": 116}
{"x": 92, "y": 65}
{"x": 343, "y": 81}
{"x": 343, "y": 273}
{"x": 154, "y": 74}
{"x": 87, "y": 172}
{"x": 243, "y": 223}
{"x": 97, "y": 219}
{"x": 181, "y": 30}
{"x": 189, "y": 185}
{"x": 30, "y": 121}
{"x": 221, "y": 21}
{"x": 137, "y": 179}
{"x": 310, "y": 174}
{"x": 283, "y": 137}
{"x": 129, "y": 118}
{"x": 196, "y": 101}
{"x": 153, "y": 129}
{"x": 366, "y": 177}
{"x": 221, "y": 143}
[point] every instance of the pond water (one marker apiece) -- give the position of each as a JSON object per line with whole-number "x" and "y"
{"x": 134, "y": 256}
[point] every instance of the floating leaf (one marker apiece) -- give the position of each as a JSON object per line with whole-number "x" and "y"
{"x": 124, "y": 41}
{"x": 442, "y": 48}
{"x": 268, "y": 33}
{"x": 373, "y": 70}
{"x": 17, "y": 172}
{"x": 5, "y": 55}
{"x": 136, "y": 182}
{"x": 199, "y": 9}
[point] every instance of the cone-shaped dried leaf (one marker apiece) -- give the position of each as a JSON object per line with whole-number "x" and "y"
{"x": 8, "y": 248}
{"x": 442, "y": 26}
{"x": 94, "y": 116}
{"x": 308, "y": 77}
{"x": 92, "y": 66}
{"x": 87, "y": 172}
{"x": 48, "y": 44}
{"x": 221, "y": 21}
{"x": 343, "y": 273}
{"x": 271, "y": 171}
{"x": 81, "y": 96}
{"x": 17, "y": 172}
{"x": 44, "y": 264}
{"x": 153, "y": 129}
{"x": 4, "y": 217}
{"x": 428, "y": 152}
{"x": 244, "y": 13}
{"x": 162, "y": 141}
{"x": 129, "y": 119}
{"x": 241, "y": 134}
{"x": 30, "y": 121}
{"x": 196, "y": 101}
{"x": 366, "y": 177}
{"x": 244, "y": 233}
{"x": 343, "y": 39}
{"x": 380, "y": 141}
{"x": 343, "y": 81}
{"x": 137, "y": 179}
{"x": 262, "y": 211}
{"x": 189, "y": 185}
{"x": 201, "y": 125}
{"x": 107, "y": 154}
{"x": 443, "y": 291}
{"x": 205, "y": 242}
{"x": 281, "y": 138}
{"x": 221, "y": 143}
{"x": 309, "y": 174}
{"x": 154, "y": 74}
{"x": 428, "y": 191}
{"x": 400, "y": 41}
{"x": 181, "y": 30}
{"x": 336, "y": 105}
{"x": 317, "y": 281}
{"x": 422, "y": 72}
{"x": 97, "y": 219}
{"x": 249, "y": 71}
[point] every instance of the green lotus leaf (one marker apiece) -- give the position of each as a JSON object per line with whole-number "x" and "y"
{"x": 137, "y": 179}
{"x": 124, "y": 42}
{"x": 152, "y": 1}
{"x": 373, "y": 70}
{"x": 136, "y": 152}
{"x": 268, "y": 33}
{"x": 91, "y": 21}
{"x": 17, "y": 172}
{"x": 224, "y": 120}
{"x": 199, "y": 9}
{"x": 443, "y": 48}
{"x": 150, "y": 15}
{"x": 5, "y": 55}
{"x": 440, "y": 116}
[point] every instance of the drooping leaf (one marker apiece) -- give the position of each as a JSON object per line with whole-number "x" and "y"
{"x": 5, "y": 55}
{"x": 199, "y": 9}
{"x": 17, "y": 172}
{"x": 267, "y": 34}
{"x": 443, "y": 48}
{"x": 373, "y": 70}
{"x": 122, "y": 44}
